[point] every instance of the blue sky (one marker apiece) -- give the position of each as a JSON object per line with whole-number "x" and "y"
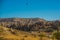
{"x": 46, "y": 9}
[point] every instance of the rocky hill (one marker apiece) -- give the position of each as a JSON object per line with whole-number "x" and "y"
{"x": 30, "y": 24}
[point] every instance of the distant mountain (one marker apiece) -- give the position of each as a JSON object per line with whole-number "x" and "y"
{"x": 30, "y": 24}
{"x": 20, "y": 19}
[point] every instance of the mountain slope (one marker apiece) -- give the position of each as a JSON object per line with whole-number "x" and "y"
{"x": 30, "y": 24}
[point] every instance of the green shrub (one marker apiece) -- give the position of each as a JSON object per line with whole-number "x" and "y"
{"x": 57, "y": 35}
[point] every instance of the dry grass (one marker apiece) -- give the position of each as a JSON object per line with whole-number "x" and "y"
{"x": 20, "y": 35}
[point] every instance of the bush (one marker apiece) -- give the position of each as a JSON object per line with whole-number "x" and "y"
{"x": 41, "y": 36}
{"x": 25, "y": 36}
{"x": 57, "y": 35}
{"x": 1, "y": 38}
{"x": 22, "y": 39}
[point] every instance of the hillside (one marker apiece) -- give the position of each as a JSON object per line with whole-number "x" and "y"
{"x": 29, "y": 24}
{"x": 27, "y": 28}
{"x": 12, "y": 34}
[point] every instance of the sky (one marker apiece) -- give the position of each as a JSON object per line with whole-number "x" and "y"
{"x": 46, "y": 9}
